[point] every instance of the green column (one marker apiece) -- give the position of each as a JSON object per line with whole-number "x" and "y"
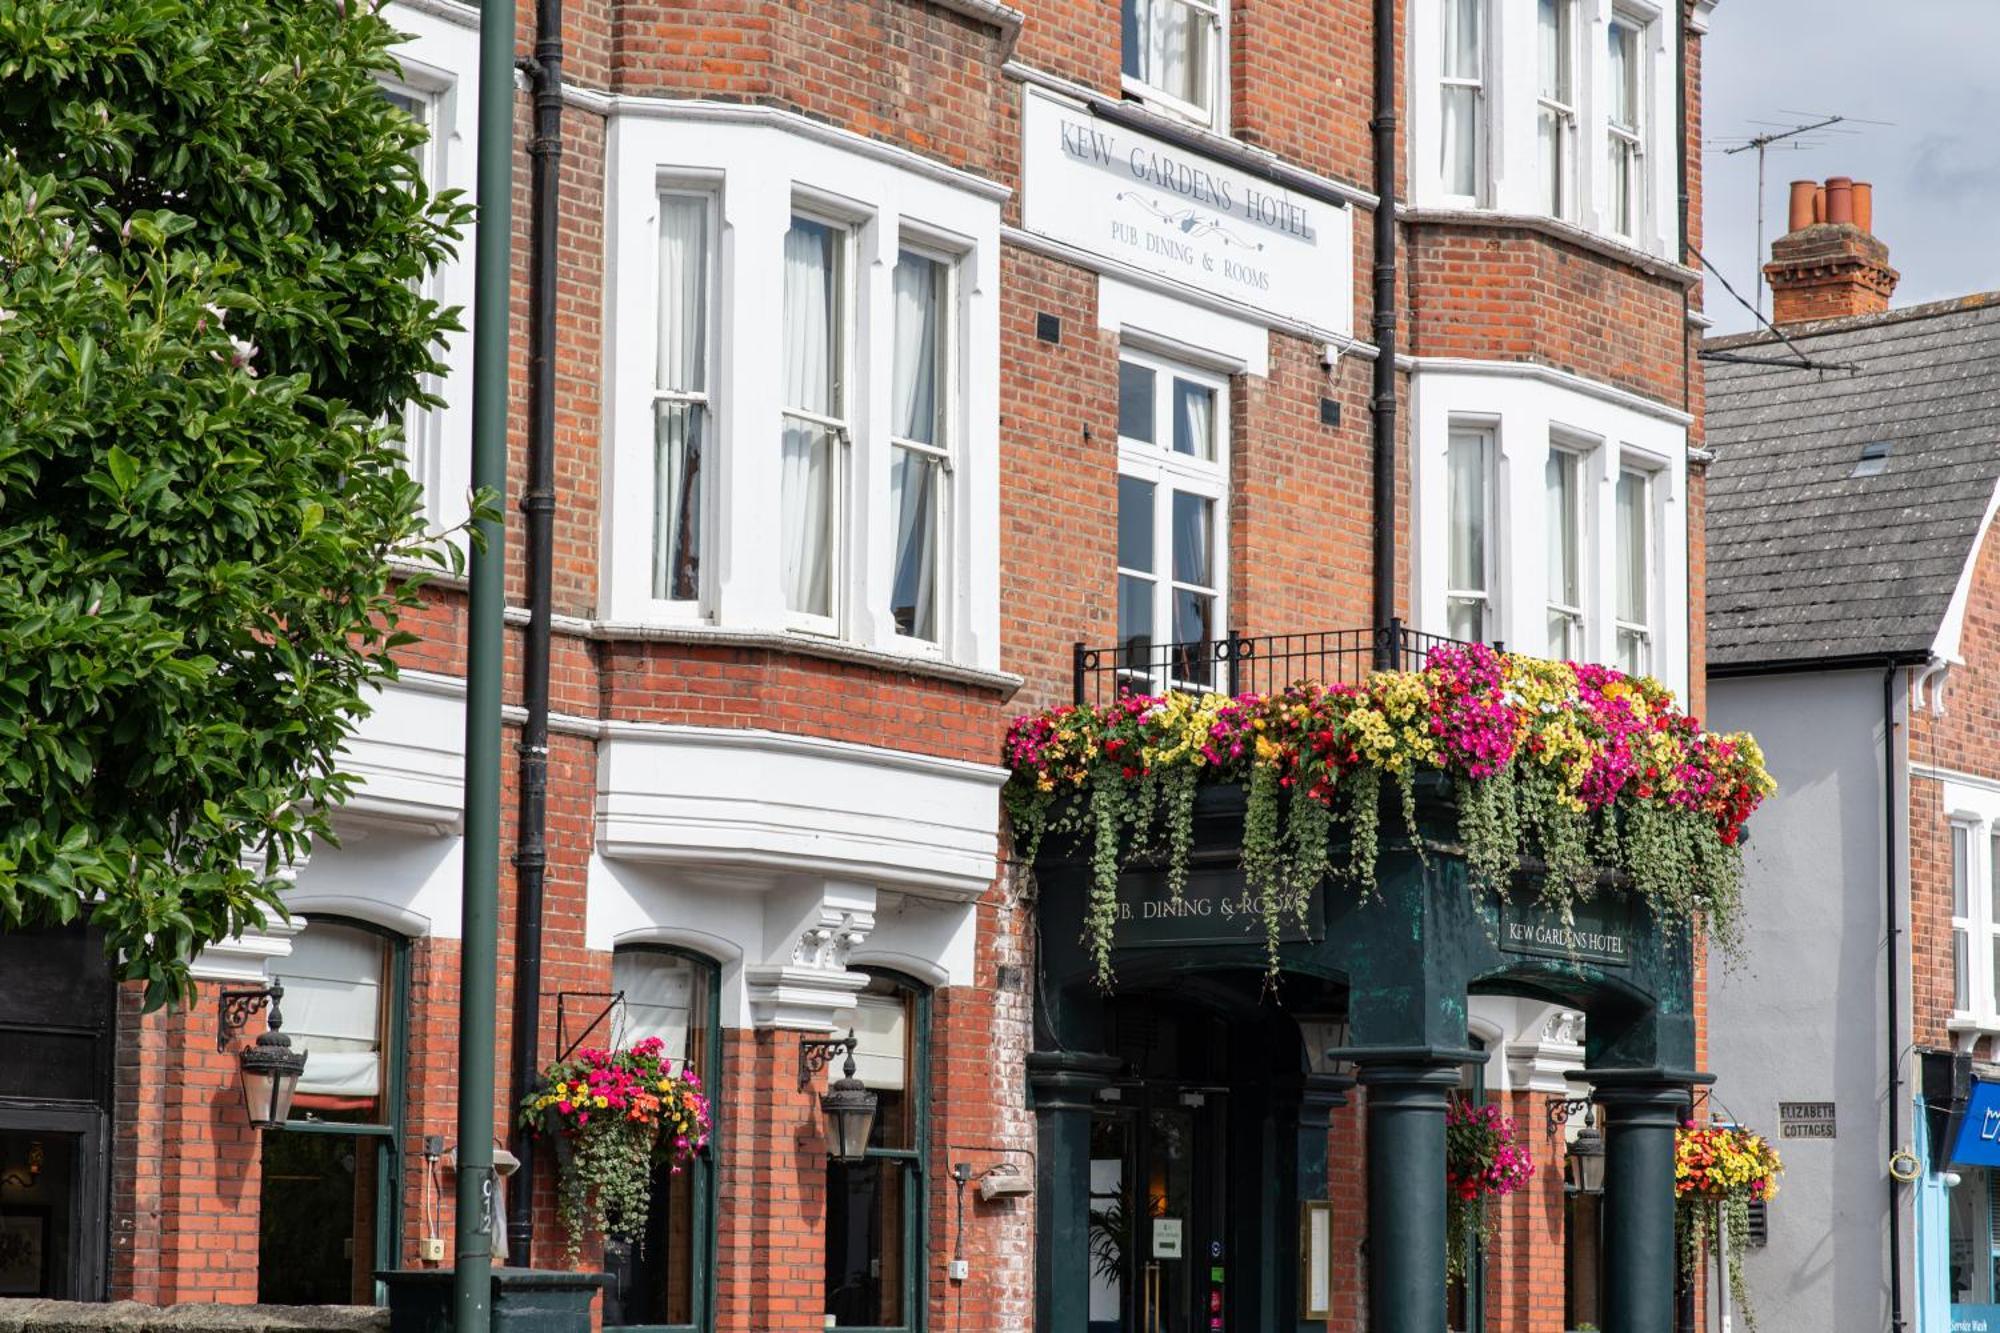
{"x": 1405, "y": 1106}
{"x": 1062, "y": 1087}
{"x": 1642, "y": 1109}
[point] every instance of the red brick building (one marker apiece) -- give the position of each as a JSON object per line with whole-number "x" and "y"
{"x": 903, "y": 345}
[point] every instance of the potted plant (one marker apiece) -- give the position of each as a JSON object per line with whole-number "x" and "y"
{"x": 1483, "y": 1161}
{"x": 612, "y": 1116}
{"x": 1719, "y": 1171}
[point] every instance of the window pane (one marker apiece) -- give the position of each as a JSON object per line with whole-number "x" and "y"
{"x": 1460, "y": 162}
{"x": 1465, "y": 620}
{"x": 1466, "y": 570}
{"x": 1135, "y": 524}
{"x": 1194, "y": 617}
{"x": 1463, "y": 45}
{"x": 666, "y": 996}
{"x": 882, "y": 1061}
{"x": 683, "y": 354}
{"x": 1961, "y": 988}
{"x": 914, "y": 480}
{"x": 806, "y": 497}
{"x": 333, "y": 1011}
{"x": 1634, "y": 604}
{"x": 1635, "y": 653}
{"x": 1624, "y": 187}
{"x": 1961, "y": 873}
{"x": 1624, "y": 73}
{"x": 318, "y": 1205}
{"x": 865, "y": 1245}
{"x": 1167, "y": 46}
{"x": 1135, "y": 621}
{"x": 1194, "y": 419}
{"x": 1565, "y": 541}
{"x": 812, "y": 346}
{"x": 1192, "y": 539}
{"x": 921, "y": 287}
{"x": 1134, "y": 30}
{"x": 1553, "y": 22}
{"x": 1565, "y": 635}
{"x": 1135, "y": 402}
{"x": 677, "y": 441}
{"x": 1548, "y": 146}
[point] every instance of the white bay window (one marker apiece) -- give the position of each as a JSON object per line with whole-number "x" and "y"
{"x": 802, "y": 389}
{"x": 1549, "y": 519}
{"x": 1173, "y": 55}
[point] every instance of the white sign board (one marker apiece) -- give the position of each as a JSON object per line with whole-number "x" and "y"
{"x": 1153, "y": 206}
{"x": 1166, "y": 1238}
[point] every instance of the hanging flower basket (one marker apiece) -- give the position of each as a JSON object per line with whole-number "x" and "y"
{"x": 612, "y": 1116}
{"x": 1483, "y": 1161}
{"x": 1579, "y": 766}
{"x": 1719, "y": 1171}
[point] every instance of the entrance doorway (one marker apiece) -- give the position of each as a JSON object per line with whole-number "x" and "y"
{"x": 1184, "y": 1218}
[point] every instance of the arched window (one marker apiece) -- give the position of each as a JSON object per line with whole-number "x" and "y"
{"x": 328, "y": 1215}
{"x": 875, "y": 1208}
{"x": 665, "y": 1281}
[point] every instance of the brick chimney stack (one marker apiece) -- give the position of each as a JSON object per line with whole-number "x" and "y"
{"x": 1829, "y": 264}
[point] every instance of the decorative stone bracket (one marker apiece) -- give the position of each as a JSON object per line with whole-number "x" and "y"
{"x": 810, "y": 928}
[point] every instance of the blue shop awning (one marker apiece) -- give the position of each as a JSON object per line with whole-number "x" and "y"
{"x": 1978, "y": 1142}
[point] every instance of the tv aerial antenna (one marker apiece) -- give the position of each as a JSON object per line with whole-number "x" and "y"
{"x": 1783, "y": 136}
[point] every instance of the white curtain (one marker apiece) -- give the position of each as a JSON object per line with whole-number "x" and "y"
{"x": 661, "y": 1000}
{"x": 881, "y": 1035}
{"x": 1467, "y": 556}
{"x": 1462, "y": 60}
{"x": 1169, "y": 38}
{"x": 913, "y": 483}
{"x": 1632, "y": 540}
{"x": 1194, "y": 419}
{"x": 1193, "y": 612}
{"x": 806, "y": 486}
{"x": 683, "y": 292}
{"x": 919, "y": 292}
{"x": 333, "y": 1008}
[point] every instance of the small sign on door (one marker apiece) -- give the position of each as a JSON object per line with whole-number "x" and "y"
{"x": 1166, "y": 1238}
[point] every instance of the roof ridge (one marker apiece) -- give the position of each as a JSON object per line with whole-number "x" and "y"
{"x": 1847, "y": 323}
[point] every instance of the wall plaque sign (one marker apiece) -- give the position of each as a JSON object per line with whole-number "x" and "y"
{"x": 1175, "y": 213}
{"x": 1805, "y": 1120}
{"x": 1599, "y": 931}
{"x": 1215, "y": 908}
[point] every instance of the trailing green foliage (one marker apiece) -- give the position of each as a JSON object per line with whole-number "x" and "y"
{"x": 213, "y": 235}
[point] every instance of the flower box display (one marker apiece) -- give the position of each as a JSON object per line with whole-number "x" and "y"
{"x": 1573, "y": 771}
{"x": 613, "y": 1115}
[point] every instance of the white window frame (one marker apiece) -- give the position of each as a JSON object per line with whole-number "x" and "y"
{"x": 1579, "y": 451}
{"x": 709, "y": 192}
{"x": 924, "y": 245}
{"x": 1560, "y": 113}
{"x": 440, "y": 66}
{"x": 1170, "y": 472}
{"x": 1637, "y": 465}
{"x": 761, "y": 169}
{"x": 1633, "y": 140}
{"x": 1213, "y": 116}
{"x": 1482, "y": 107}
{"x": 1488, "y": 598}
{"x": 848, "y": 328}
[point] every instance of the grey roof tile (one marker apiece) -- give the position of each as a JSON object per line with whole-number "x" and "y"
{"x": 1804, "y": 558}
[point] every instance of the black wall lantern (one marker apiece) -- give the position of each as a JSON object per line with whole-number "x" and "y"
{"x": 848, "y": 1107}
{"x": 1583, "y": 1165}
{"x": 269, "y": 1067}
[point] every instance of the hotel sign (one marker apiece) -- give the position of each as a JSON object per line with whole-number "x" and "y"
{"x": 1599, "y": 931}
{"x": 1177, "y": 214}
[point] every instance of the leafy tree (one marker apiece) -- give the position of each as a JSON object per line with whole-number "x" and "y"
{"x": 213, "y": 231}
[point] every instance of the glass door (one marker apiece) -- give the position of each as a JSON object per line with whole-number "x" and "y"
{"x": 1157, "y": 1230}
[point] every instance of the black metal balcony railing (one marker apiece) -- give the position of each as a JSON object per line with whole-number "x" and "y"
{"x": 1238, "y": 663}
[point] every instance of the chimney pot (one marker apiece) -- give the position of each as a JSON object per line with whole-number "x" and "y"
{"x": 1819, "y": 203}
{"x": 1864, "y": 206}
{"x": 1840, "y": 199}
{"x": 1802, "y": 205}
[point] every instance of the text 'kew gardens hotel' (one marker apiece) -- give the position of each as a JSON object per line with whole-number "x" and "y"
{"x": 921, "y": 363}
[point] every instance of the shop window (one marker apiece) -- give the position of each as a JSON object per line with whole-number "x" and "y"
{"x": 1469, "y": 601}
{"x": 664, "y": 1281}
{"x": 875, "y": 1251}
{"x": 1172, "y": 55}
{"x": 1172, "y": 507}
{"x": 328, "y": 1211}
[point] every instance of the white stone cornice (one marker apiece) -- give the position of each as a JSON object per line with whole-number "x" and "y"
{"x": 1541, "y": 1057}
{"x": 1534, "y": 370}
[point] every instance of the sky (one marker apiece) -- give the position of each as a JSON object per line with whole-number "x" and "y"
{"x": 1929, "y": 67}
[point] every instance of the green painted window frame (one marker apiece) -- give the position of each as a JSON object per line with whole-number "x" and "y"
{"x": 916, "y": 1211}
{"x": 388, "y": 1136}
{"x": 703, "y": 1168}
